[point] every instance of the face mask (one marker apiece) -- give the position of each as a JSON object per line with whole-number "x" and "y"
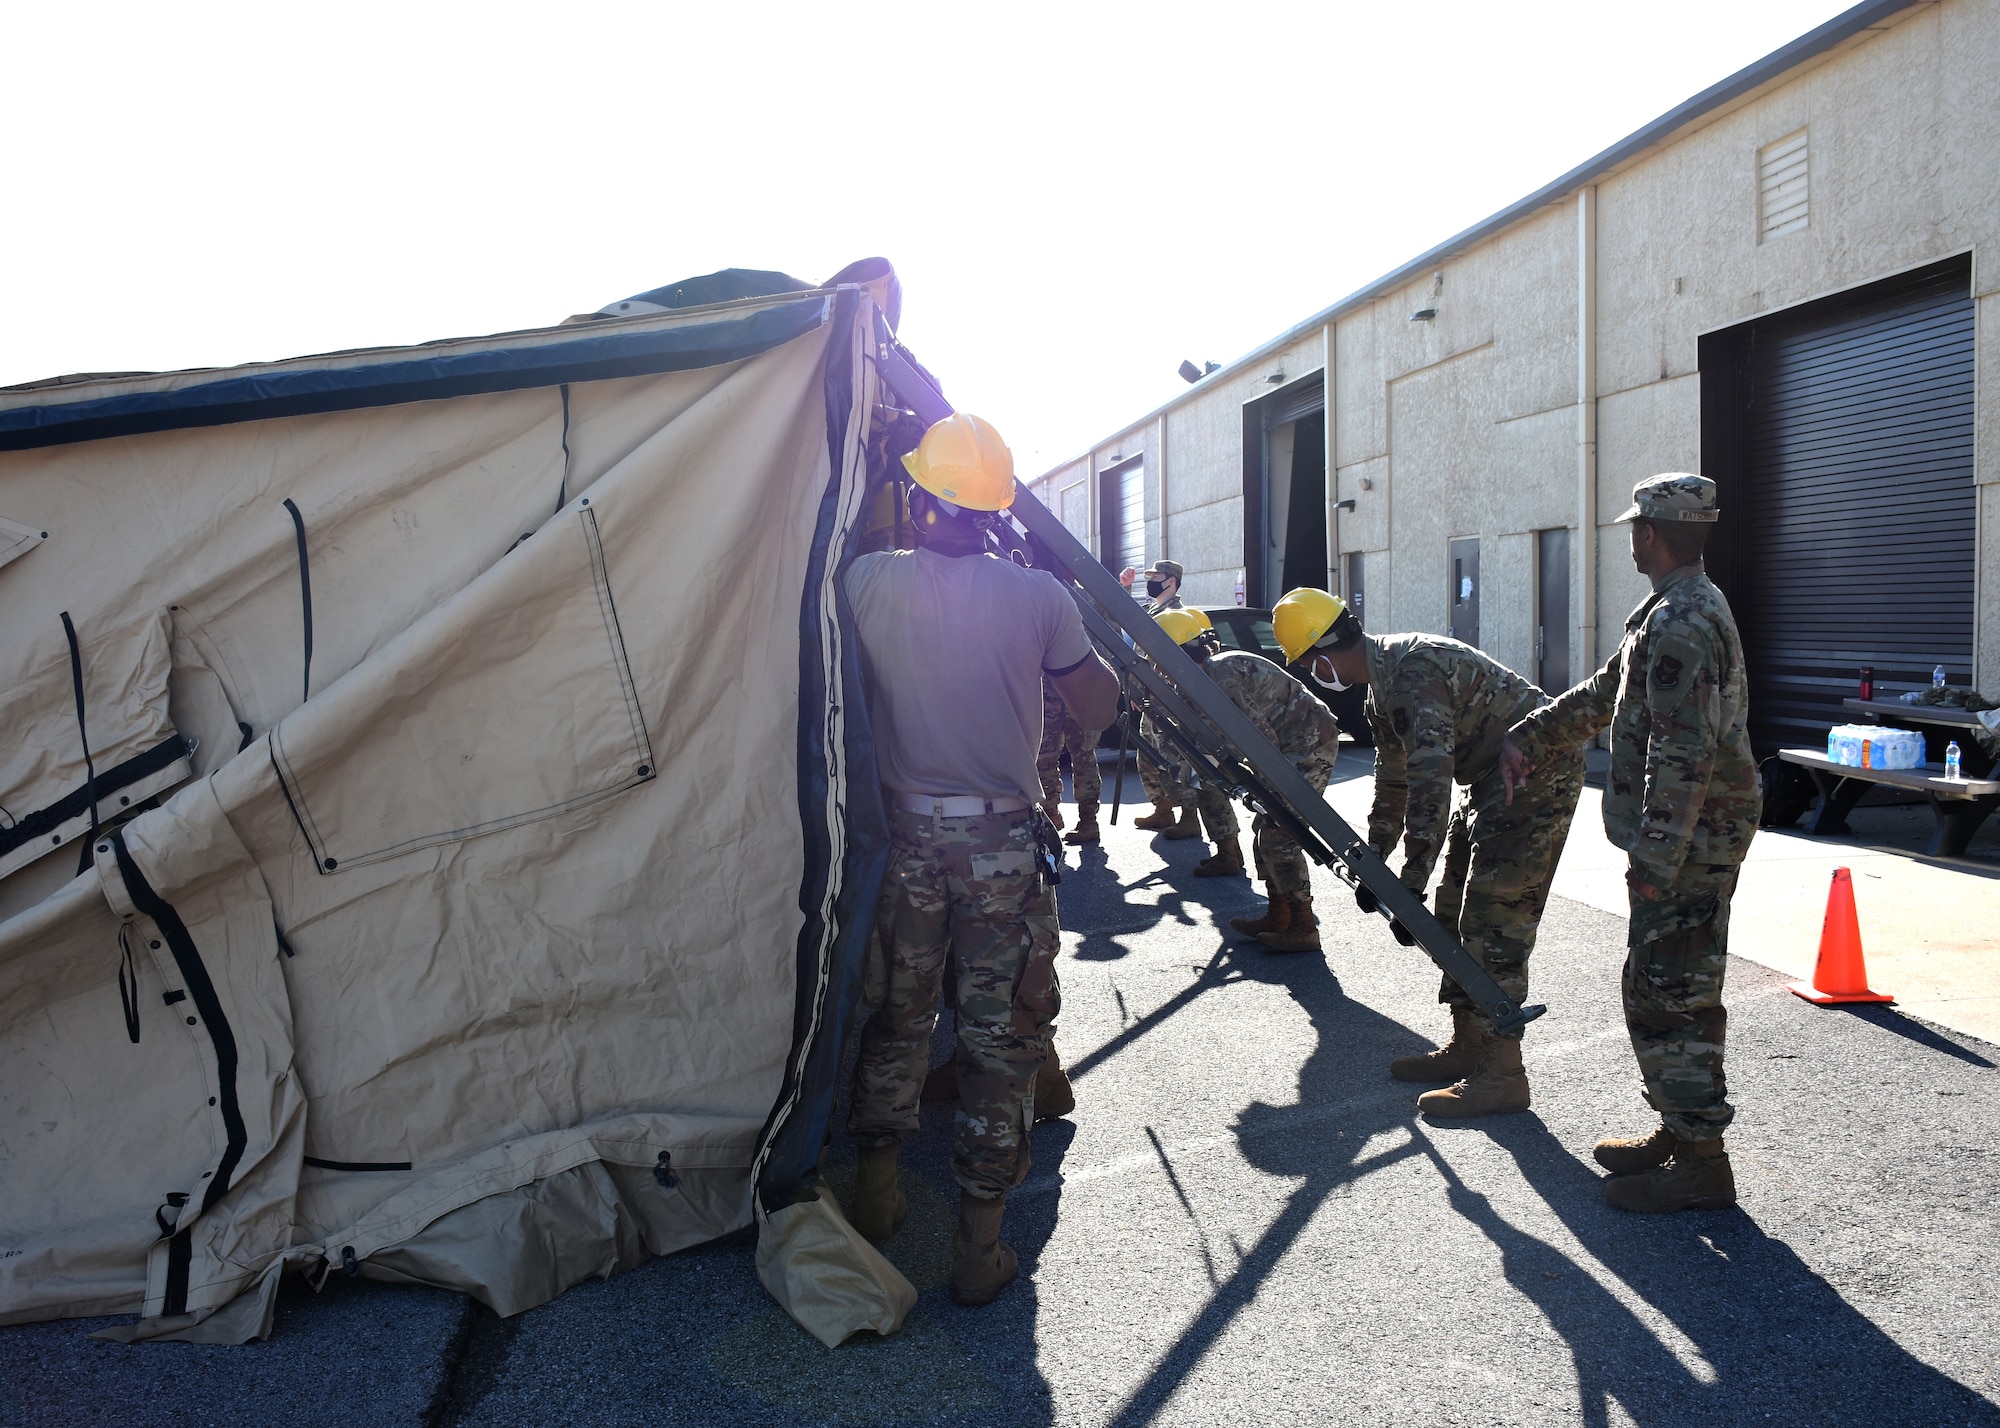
{"x": 1336, "y": 683}
{"x": 1155, "y": 587}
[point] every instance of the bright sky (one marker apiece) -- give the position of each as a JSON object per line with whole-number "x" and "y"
{"x": 1076, "y": 195}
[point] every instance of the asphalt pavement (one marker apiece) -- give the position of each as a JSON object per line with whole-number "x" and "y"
{"x": 1245, "y": 1222}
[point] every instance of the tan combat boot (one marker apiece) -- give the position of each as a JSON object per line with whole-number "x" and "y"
{"x": 1054, "y": 1097}
{"x": 1187, "y": 826}
{"x": 1162, "y": 816}
{"x": 879, "y": 1206}
{"x": 1453, "y": 1061}
{"x": 1697, "y": 1178}
{"x": 982, "y": 1264}
{"x": 1053, "y": 807}
{"x": 1225, "y": 862}
{"x": 1496, "y": 1084}
{"x": 1301, "y": 934}
{"x": 1635, "y": 1155}
{"x": 1086, "y": 825}
{"x": 1277, "y": 918}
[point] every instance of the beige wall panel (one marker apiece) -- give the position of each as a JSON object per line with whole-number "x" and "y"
{"x": 1204, "y": 446}
{"x": 1904, "y": 168}
{"x": 1527, "y": 279}
{"x": 1361, "y": 412}
{"x": 1507, "y": 601}
{"x": 1209, "y": 540}
{"x": 1528, "y": 474}
{"x": 1366, "y": 527}
{"x": 1643, "y": 431}
{"x": 1440, "y": 426}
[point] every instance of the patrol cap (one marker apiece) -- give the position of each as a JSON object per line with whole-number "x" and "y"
{"x": 1167, "y": 570}
{"x": 1674, "y": 496}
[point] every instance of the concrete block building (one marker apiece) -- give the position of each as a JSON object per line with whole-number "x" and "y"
{"x": 1790, "y": 283}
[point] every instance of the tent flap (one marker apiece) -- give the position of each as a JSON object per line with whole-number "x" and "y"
{"x": 504, "y": 931}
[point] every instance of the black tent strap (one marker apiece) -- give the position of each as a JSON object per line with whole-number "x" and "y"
{"x": 44, "y": 822}
{"x": 305, "y": 596}
{"x": 562, "y": 490}
{"x": 356, "y": 1165}
{"x": 209, "y": 1013}
{"x": 82, "y": 729}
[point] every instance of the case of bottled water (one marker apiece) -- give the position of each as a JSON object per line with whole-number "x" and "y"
{"x": 1872, "y": 746}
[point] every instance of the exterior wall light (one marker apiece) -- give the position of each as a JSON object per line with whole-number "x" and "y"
{"x": 1423, "y": 314}
{"x": 1346, "y": 505}
{"x": 1276, "y": 377}
{"x": 1191, "y": 373}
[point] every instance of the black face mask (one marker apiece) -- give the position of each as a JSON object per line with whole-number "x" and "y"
{"x": 1154, "y": 588}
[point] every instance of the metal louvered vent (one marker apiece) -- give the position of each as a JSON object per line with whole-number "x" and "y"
{"x": 1781, "y": 187}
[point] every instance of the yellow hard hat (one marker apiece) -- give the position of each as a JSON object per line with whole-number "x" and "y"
{"x": 963, "y": 460}
{"x": 1302, "y": 618}
{"x": 1182, "y": 625}
{"x": 1201, "y": 617}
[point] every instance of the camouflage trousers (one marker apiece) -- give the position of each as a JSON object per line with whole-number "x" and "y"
{"x": 1676, "y": 954}
{"x": 1218, "y": 813}
{"x": 970, "y": 886}
{"x": 1281, "y": 862}
{"x": 1060, "y": 732}
{"x": 1165, "y": 786}
{"x": 1498, "y": 861}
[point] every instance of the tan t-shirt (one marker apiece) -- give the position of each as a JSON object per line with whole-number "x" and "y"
{"x": 954, "y": 650}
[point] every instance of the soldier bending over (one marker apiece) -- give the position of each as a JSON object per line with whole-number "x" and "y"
{"x": 1440, "y": 711}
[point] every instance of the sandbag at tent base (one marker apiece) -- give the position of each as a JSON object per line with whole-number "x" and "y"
{"x": 826, "y": 1276}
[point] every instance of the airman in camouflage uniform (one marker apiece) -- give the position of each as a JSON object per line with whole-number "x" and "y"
{"x": 1174, "y": 798}
{"x": 1304, "y": 731}
{"x": 1059, "y": 732}
{"x": 954, "y": 644}
{"x": 1682, "y": 800}
{"x": 1439, "y": 710}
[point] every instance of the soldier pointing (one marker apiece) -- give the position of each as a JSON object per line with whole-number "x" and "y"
{"x": 1682, "y": 801}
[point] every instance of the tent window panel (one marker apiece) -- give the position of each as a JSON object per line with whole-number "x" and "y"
{"x": 523, "y": 713}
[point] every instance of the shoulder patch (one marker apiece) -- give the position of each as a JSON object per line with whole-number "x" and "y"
{"x": 1667, "y": 671}
{"x": 1399, "y": 718}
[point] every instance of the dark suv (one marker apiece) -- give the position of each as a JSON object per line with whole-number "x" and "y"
{"x": 1248, "y": 628}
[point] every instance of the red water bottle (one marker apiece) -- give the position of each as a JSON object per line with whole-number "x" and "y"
{"x": 1867, "y": 681}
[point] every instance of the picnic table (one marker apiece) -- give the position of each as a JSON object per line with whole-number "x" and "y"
{"x": 1959, "y": 805}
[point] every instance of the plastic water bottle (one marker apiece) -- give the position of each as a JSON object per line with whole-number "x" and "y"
{"x": 1937, "y": 678}
{"x": 1951, "y": 761}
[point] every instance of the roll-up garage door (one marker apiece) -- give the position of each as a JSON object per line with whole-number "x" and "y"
{"x": 1858, "y": 538}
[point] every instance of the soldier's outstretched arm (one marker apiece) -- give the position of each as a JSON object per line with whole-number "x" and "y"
{"x": 1572, "y": 717}
{"x": 1684, "y": 714}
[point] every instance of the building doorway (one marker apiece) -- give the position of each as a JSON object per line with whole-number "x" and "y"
{"x": 1121, "y": 523}
{"x": 1552, "y": 610}
{"x": 1284, "y": 491}
{"x": 1462, "y": 605}
{"x": 1839, "y": 436}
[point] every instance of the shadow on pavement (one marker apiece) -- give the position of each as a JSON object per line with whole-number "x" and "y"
{"x": 1741, "y": 1329}
{"x": 1891, "y": 1020}
{"x": 1341, "y": 1084}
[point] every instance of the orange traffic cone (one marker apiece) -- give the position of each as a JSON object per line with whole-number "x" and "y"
{"x": 1840, "y": 975}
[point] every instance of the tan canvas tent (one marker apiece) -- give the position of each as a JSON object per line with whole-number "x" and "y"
{"x": 438, "y": 823}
